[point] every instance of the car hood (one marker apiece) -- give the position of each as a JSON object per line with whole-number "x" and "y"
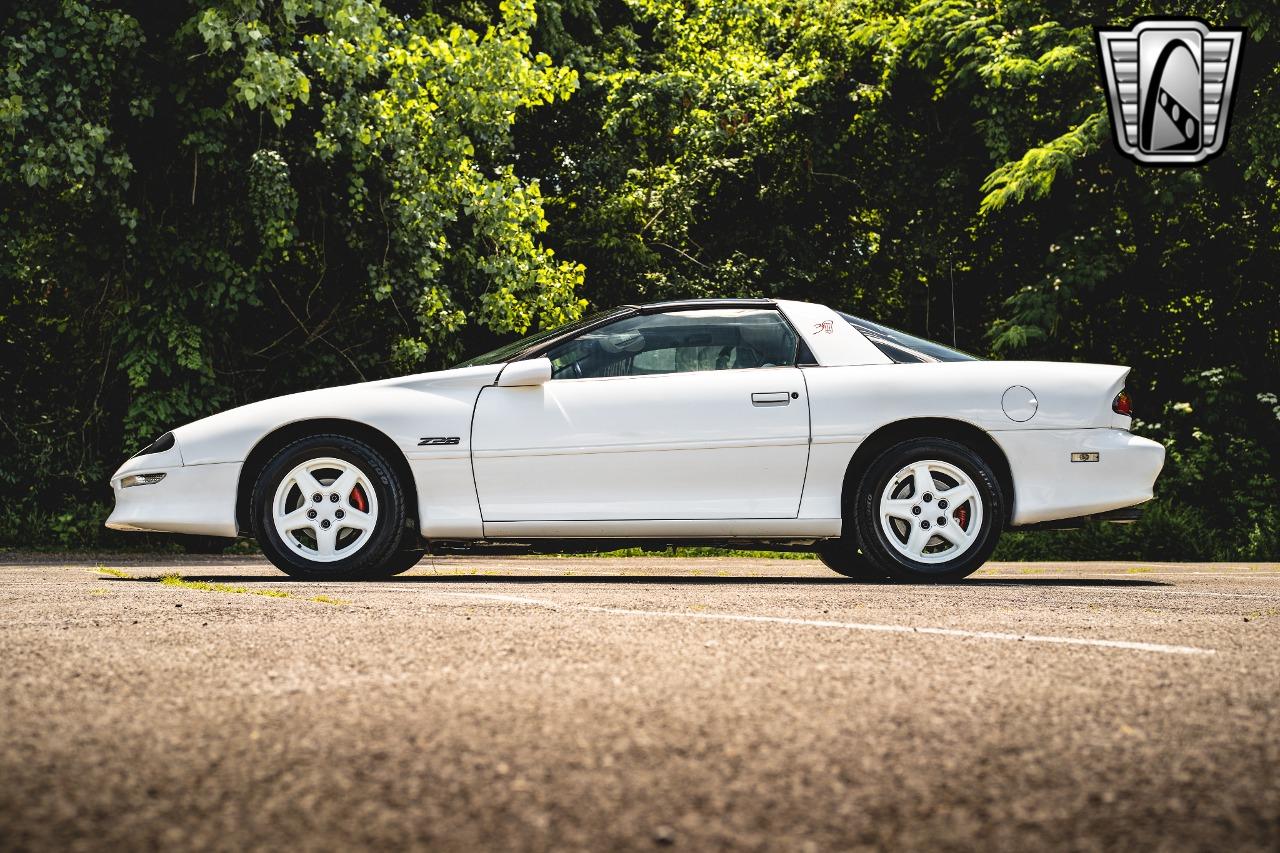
{"x": 392, "y": 405}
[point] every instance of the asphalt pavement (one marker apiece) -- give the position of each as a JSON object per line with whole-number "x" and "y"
{"x": 638, "y": 704}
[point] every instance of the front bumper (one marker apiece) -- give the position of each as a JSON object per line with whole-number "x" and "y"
{"x": 196, "y": 499}
{"x": 1048, "y": 486}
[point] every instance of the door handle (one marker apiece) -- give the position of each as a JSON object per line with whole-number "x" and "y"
{"x": 771, "y": 398}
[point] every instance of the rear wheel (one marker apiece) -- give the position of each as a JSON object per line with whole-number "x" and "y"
{"x": 842, "y": 557}
{"x": 329, "y": 507}
{"x": 929, "y": 509}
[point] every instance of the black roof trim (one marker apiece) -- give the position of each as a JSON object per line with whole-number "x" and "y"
{"x": 711, "y": 302}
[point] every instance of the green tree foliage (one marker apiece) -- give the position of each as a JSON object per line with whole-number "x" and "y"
{"x": 946, "y": 166}
{"x": 208, "y": 203}
{"x": 218, "y": 201}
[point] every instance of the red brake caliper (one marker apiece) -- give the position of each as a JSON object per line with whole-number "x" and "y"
{"x": 358, "y": 500}
{"x": 962, "y": 517}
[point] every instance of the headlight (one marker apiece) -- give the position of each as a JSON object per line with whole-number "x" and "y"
{"x": 140, "y": 480}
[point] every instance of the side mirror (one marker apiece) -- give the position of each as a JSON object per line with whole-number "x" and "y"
{"x": 534, "y": 371}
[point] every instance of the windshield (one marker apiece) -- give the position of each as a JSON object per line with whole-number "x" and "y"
{"x": 902, "y": 347}
{"x": 514, "y": 349}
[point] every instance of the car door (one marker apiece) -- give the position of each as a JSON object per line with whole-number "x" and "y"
{"x": 691, "y": 414}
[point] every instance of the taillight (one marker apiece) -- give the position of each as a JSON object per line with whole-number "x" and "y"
{"x": 1122, "y": 405}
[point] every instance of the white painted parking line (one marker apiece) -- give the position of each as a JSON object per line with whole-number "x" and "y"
{"x": 1158, "y": 648}
{"x": 1263, "y": 595}
{"x": 1130, "y": 575}
{"x": 907, "y": 629}
{"x": 511, "y": 599}
{"x": 1066, "y": 584}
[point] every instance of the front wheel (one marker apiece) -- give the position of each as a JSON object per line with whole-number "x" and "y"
{"x": 398, "y": 563}
{"x": 929, "y": 509}
{"x": 329, "y": 507}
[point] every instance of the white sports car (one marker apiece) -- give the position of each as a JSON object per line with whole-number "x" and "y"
{"x": 747, "y": 422}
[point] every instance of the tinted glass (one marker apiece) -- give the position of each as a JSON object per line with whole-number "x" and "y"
{"x": 902, "y": 347}
{"x": 514, "y": 349}
{"x": 678, "y": 342}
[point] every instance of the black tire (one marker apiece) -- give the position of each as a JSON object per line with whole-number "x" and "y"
{"x": 872, "y": 539}
{"x": 382, "y": 545}
{"x": 842, "y": 557}
{"x": 397, "y": 564}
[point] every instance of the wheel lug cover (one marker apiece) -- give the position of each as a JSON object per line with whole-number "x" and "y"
{"x": 316, "y": 497}
{"x": 334, "y": 497}
{"x": 326, "y": 524}
{"x": 925, "y": 525}
{"x": 927, "y": 497}
{"x": 915, "y": 510}
{"x": 311, "y": 513}
{"x": 942, "y": 519}
{"x": 339, "y": 514}
{"x": 942, "y": 504}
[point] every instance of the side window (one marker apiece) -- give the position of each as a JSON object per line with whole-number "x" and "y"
{"x": 678, "y": 342}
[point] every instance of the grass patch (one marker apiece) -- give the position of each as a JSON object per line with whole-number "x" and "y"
{"x": 202, "y": 586}
{"x": 176, "y": 580}
{"x": 115, "y": 573}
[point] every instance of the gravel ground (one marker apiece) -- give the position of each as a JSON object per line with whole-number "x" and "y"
{"x": 592, "y": 704}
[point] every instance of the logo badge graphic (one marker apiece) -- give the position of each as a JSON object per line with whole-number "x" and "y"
{"x": 1170, "y": 82}
{"x": 433, "y": 440}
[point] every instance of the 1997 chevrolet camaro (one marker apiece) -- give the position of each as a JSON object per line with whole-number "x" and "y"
{"x": 768, "y": 423}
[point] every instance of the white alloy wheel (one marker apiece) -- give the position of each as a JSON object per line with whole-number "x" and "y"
{"x": 325, "y": 509}
{"x": 931, "y": 511}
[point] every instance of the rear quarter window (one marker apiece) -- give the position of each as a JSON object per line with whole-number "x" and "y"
{"x": 905, "y": 348}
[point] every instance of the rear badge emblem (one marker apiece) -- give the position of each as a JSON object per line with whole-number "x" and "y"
{"x": 1085, "y": 457}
